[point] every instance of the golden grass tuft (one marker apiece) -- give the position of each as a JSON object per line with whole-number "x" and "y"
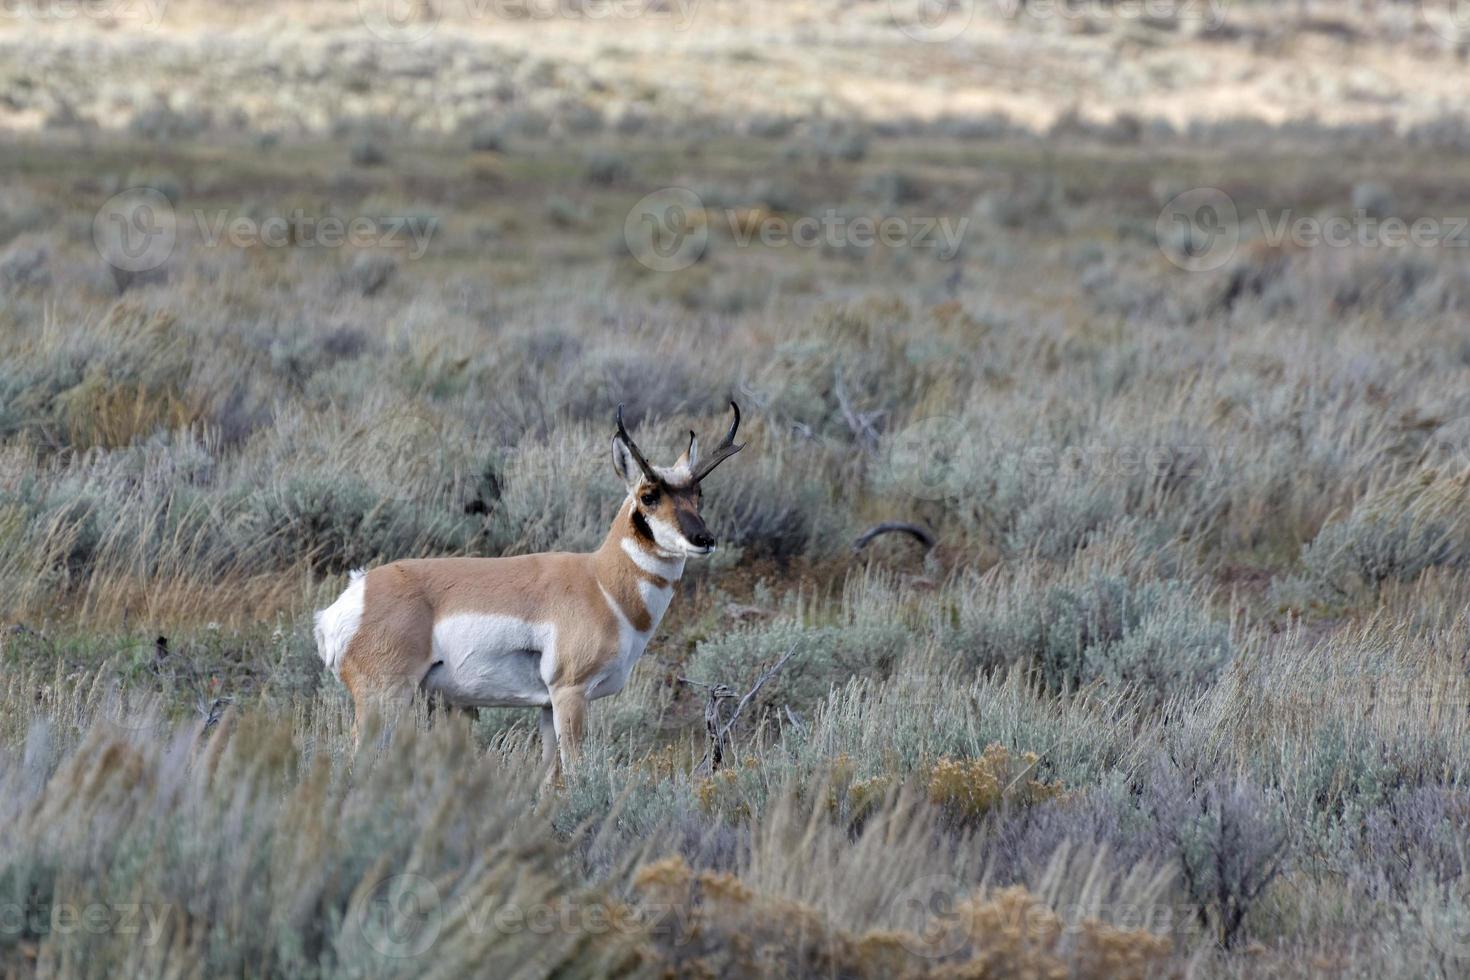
{"x": 969, "y": 789}
{"x": 712, "y": 924}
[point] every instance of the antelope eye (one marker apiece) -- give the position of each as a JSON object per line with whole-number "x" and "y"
{"x": 650, "y": 498}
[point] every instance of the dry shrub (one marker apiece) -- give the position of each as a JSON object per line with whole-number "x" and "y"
{"x": 721, "y": 794}
{"x": 969, "y": 789}
{"x": 713, "y": 924}
{"x": 101, "y": 412}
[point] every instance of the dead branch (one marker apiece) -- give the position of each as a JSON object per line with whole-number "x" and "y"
{"x": 861, "y": 423}
{"x": 718, "y": 730}
{"x": 921, "y": 534}
{"x": 716, "y": 751}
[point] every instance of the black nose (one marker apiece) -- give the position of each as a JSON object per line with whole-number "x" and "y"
{"x": 703, "y": 540}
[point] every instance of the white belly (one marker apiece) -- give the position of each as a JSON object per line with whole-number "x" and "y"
{"x": 488, "y": 661}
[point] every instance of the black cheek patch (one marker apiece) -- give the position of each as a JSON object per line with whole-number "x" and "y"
{"x": 640, "y": 526}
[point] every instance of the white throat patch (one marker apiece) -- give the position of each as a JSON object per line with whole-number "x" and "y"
{"x": 670, "y": 567}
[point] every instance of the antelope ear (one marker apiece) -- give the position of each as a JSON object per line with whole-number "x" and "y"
{"x": 623, "y": 464}
{"x": 691, "y": 455}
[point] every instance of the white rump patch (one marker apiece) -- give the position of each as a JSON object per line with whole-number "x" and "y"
{"x": 337, "y": 624}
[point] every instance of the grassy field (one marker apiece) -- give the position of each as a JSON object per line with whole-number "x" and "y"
{"x": 1180, "y": 689}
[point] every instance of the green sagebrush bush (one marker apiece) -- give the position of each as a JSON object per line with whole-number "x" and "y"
{"x": 1155, "y": 635}
{"x": 824, "y": 655}
{"x": 337, "y": 523}
{"x": 241, "y": 853}
{"x": 1392, "y": 535}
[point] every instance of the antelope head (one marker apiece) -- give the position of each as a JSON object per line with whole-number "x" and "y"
{"x": 665, "y": 500}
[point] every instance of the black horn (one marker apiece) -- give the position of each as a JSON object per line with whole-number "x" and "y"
{"x": 633, "y": 448}
{"x": 723, "y": 451}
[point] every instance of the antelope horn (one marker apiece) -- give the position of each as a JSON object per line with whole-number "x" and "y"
{"x": 633, "y": 448}
{"x": 723, "y": 451}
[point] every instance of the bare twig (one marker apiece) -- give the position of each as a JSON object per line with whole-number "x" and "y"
{"x": 718, "y": 730}
{"x": 716, "y": 752}
{"x": 760, "y": 682}
{"x": 861, "y": 423}
{"x": 922, "y": 534}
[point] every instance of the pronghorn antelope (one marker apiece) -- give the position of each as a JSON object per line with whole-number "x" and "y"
{"x": 553, "y": 631}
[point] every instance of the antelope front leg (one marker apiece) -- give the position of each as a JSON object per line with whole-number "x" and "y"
{"x": 568, "y": 718}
